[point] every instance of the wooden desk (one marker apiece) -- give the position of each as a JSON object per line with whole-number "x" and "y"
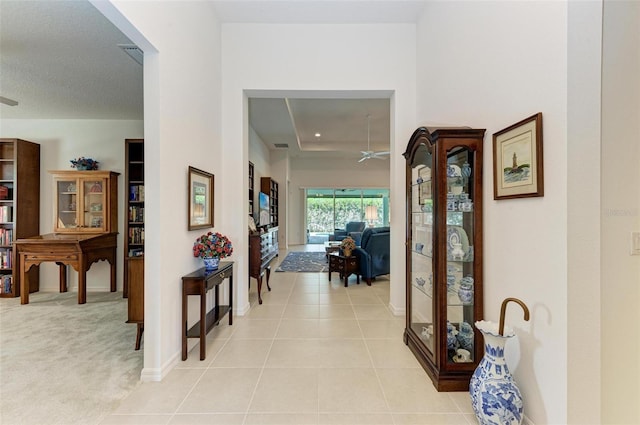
{"x": 79, "y": 251}
{"x": 198, "y": 283}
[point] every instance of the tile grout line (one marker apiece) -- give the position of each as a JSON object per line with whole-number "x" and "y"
{"x": 255, "y": 388}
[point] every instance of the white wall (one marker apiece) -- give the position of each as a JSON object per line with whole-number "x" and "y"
{"x": 63, "y": 140}
{"x": 335, "y": 173}
{"x": 489, "y": 65}
{"x": 304, "y": 58}
{"x": 620, "y": 212}
{"x": 182, "y": 78}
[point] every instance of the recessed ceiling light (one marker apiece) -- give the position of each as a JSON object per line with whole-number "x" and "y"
{"x": 318, "y": 134}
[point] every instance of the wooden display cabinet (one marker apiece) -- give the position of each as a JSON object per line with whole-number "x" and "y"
{"x": 19, "y": 209}
{"x": 85, "y": 201}
{"x": 444, "y": 253}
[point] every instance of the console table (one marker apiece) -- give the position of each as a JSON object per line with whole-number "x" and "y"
{"x": 79, "y": 251}
{"x": 199, "y": 283}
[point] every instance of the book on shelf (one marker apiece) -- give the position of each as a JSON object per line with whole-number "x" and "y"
{"x": 136, "y": 192}
{"x": 6, "y": 237}
{"x": 6, "y": 260}
{"x": 6, "y": 214}
{"x": 4, "y": 192}
{"x": 6, "y": 284}
{"x": 136, "y": 252}
{"x": 136, "y": 214}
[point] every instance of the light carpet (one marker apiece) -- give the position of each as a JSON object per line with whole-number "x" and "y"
{"x": 304, "y": 262}
{"x": 65, "y": 363}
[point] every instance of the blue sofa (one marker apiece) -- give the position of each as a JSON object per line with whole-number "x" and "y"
{"x": 373, "y": 253}
{"x": 355, "y": 227}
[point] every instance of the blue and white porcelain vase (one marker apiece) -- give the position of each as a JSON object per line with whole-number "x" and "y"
{"x": 465, "y": 336}
{"x": 495, "y": 397}
{"x": 211, "y": 264}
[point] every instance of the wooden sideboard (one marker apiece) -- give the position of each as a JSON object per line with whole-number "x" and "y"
{"x": 263, "y": 249}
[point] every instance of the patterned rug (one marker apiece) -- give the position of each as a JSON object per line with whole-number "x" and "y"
{"x": 304, "y": 262}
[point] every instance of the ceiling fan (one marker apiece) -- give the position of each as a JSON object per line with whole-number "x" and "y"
{"x": 369, "y": 154}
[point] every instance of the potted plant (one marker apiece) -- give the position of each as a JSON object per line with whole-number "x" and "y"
{"x": 211, "y": 247}
{"x": 348, "y": 245}
{"x": 83, "y": 163}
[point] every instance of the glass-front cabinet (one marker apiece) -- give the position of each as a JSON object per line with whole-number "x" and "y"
{"x": 85, "y": 201}
{"x": 444, "y": 252}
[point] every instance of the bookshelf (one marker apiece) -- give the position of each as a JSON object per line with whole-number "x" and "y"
{"x": 133, "y": 279}
{"x": 270, "y": 187}
{"x": 19, "y": 209}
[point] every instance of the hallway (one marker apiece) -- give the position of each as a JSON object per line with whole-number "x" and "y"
{"x": 314, "y": 352}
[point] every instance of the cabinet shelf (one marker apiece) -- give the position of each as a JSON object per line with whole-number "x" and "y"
{"x": 452, "y": 252}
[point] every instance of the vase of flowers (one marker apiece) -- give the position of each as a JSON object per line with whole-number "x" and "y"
{"x": 82, "y": 164}
{"x": 347, "y": 245}
{"x": 211, "y": 247}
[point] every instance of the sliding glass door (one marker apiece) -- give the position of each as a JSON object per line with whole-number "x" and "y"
{"x": 330, "y": 209}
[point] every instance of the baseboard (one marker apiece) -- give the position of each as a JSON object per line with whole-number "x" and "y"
{"x": 397, "y": 311}
{"x": 242, "y": 311}
{"x": 158, "y": 374}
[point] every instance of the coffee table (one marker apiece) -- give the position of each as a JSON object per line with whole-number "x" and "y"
{"x": 331, "y": 246}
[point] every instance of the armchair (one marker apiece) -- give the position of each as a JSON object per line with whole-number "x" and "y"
{"x": 351, "y": 227}
{"x": 374, "y": 253}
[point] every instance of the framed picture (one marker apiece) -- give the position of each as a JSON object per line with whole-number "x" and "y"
{"x": 200, "y": 199}
{"x": 517, "y": 160}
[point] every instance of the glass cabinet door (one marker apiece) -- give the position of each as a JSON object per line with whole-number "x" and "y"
{"x": 421, "y": 274}
{"x": 67, "y": 204}
{"x": 459, "y": 256}
{"x": 94, "y": 211}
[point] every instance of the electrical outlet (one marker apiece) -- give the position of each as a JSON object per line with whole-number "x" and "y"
{"x": 635, "y": 243}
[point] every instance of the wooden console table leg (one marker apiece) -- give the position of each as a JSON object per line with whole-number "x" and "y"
{"x": 231, "y": 298}
{"x": 268, "y": 275}
{"x": 259, "y": 289}
{"x": 203, "y": 323}
{"x": 184, "y": 324}
{"x": 62, "y": 273}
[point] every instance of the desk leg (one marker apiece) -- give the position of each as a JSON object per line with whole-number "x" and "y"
{"x": 24, "y": 282}
{"x": 203, "y": 323}
{"x": 62, "y": 273}
{"x": 184, "y": 325}
{"x": 82, "y": 280}
{"x": 113, "y": 271}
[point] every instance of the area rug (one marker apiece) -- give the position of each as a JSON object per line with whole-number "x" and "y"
{"x": 304, "y": 262}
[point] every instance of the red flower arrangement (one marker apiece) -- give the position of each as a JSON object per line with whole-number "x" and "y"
{"x": 212, "y": 245}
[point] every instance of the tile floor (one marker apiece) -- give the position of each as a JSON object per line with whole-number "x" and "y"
{"x": 314, "y": 352}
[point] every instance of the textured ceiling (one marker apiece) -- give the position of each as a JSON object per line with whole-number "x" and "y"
{"x": 61, "y": 60}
